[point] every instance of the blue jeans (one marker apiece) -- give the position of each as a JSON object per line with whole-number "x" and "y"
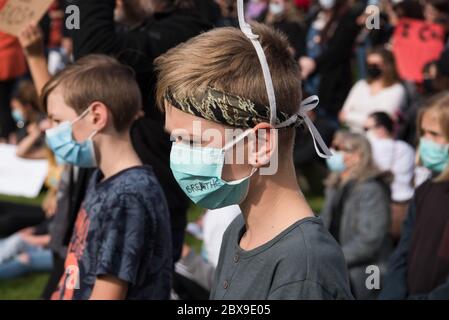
{"x": 39, "y": 259}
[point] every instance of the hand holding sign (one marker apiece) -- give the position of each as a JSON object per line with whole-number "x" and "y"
{"x": 15, "y": 15}
{"x": 31, "y": 39}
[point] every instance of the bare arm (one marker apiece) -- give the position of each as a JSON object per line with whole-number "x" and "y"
{"x": 33, "y": 47}
{"x": 38, "y": 241}
{"x": 109, "y": 288}
{"x": 26, "y": 148}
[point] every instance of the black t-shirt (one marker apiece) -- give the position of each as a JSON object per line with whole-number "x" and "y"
{"x": 123, "y": 230}
{"x": 428, "y": 258}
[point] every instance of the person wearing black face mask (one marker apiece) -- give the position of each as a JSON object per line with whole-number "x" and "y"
{"x": 380, "y": 91}
{"x": 373, "y": 71}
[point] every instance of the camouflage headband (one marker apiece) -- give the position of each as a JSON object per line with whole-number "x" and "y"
{"x": 227, "y": 109}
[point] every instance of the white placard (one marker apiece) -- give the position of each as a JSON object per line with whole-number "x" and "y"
{"x": 20, "y": 177}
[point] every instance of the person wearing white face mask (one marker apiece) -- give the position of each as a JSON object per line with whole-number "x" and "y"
{"x": 327, "y": 4}
{"x": 284, "y": 16}
{"x": 276, "y": 7}
{"x": 357, "y": 209}
{"x": 397, "y": 157}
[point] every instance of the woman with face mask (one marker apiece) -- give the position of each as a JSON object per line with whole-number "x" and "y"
{"x": 356, "y": 209}
{"x": 380, "y": 91}
{"x": 419, "y": 268}
{"x": 284, "y": 16}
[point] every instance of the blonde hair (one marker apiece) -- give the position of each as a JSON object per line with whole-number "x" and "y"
{"x": 440, "y": 105}
{"x": 355, "y": 142}
{"x": 225, "y": 59}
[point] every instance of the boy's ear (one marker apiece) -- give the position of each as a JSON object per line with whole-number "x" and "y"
{"x": 99, "y": 114}
{"x": 265, "y": 144}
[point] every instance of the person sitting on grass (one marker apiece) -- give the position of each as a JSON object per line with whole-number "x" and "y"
{"x": 26, "y": 251}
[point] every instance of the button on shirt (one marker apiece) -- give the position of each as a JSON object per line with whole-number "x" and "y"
{"x": 302, "y": 262}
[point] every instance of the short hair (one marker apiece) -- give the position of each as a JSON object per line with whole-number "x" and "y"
{"x": 383, "y": 120}
{"x": 225, "y": 59}
{"x": 98, "y": 78}
{"x": 26, "y": 94}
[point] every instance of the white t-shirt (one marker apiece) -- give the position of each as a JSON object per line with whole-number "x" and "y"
{"x": 215, "y": 223}
{"x": 399, "y": 158}
{"x": 360, "y": 103}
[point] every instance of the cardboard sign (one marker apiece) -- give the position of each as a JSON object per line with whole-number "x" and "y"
{"x": 15, "y": 15}
{"x": 416, "y": 43}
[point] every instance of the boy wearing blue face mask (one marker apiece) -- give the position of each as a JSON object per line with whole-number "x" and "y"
{"x": 419, "y": 268}
{"x": 277, "y": 248}
{"x": 120, "y": 247}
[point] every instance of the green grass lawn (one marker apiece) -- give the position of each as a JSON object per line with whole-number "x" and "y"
{"x": 31, "y": 201}
{"x": 30, "y": 287}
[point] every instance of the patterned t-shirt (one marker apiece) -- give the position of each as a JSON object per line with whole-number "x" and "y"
{"x": 123, "y": 230}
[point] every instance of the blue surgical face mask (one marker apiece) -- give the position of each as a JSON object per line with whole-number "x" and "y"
{"x": 336, "y": 162}
{"x": 67, "y": 150}
{"x": 434, "y": 156}
{"x": 198, "y": 171}
{"x": 17, "y": 115}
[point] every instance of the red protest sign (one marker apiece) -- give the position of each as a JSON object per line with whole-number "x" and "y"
{"x": 15, "y": 15}
{"x": 415, "y": 43}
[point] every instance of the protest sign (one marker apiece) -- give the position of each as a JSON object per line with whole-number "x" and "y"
{"x": 15, "y": 15}
{"x": 416, "y": 43}
{"x": 20, "y": 177}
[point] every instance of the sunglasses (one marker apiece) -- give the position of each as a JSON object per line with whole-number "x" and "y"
{"x": 342, "y": 149}
{"x": 369, "y": 128}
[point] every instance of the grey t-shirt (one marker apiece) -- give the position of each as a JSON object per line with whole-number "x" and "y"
{"x": 302, "y": 262}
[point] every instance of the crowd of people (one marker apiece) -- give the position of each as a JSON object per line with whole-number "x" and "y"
{"x": 103, "y": 104}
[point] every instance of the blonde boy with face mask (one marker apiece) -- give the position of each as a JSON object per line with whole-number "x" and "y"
{"x": 215, "y": 98}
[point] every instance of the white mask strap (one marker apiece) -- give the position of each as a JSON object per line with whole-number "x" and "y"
{"x": 239, "y": 138}
{"x": 253, "y": 171}
{"x": 307, "y": 105}
{"x": 246, "y": 29}
{"x": 82, "y": 115}
{"x": 92, "y": 135}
